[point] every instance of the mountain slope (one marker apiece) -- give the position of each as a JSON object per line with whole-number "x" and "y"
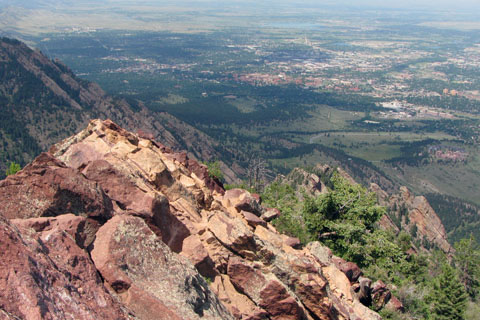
{"x": 165, "y": 238}
{"x": 42, "y": 101}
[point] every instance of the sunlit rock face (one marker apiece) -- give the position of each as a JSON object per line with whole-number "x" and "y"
{"x": 111, "y": 225}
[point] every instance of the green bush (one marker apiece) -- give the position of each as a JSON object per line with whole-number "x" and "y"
{"x": 214, "y": 170}
{"x": 12, "y": 168}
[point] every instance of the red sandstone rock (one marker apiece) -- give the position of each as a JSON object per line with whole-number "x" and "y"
{"x": 395, "y": 304}
{"x": 147, "y": 275}
{"x": 163, "y": 205}
{"x": 380, "y": 295}
{"x": 269, "y": 295}
{"x": 47, "y": 187}
{"x": 232, "y": 234}
{"x": 46, "y": 275}
{"x": 351, "y": 270}
{"x": 278, "y": 303}
{"x": 253, "y": 220}
{"x": 201, "y": 171}
{"x": 293, "y": 242}
{"x": 270, "y": 214}
{"x": 81, "y": 229}
{"x": 242, "y": 200}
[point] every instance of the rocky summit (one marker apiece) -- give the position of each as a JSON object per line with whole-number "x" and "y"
{"x": 110, "y": 225}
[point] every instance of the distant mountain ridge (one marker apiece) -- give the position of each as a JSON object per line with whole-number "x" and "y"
{"x": 42, "y": 101}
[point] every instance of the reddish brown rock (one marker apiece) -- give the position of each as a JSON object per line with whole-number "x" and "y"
{"x": 269, "y": 295}
{"x": 414, "y": 212}
{"x": 232, "y": 234}
{"x": 351, "y": 270}
{"x": 395, "y": 304}
{"x": 380, "y": 295}
{"x": 322, "y": 253}
{"x": 279, "y": 304}
{"x": 201, "y": 171}
{"x": 163, "y": 205}
{"x": 46, "y": 275}
{"x": 242, "y": 200}
{"x": 245, "y": 278}
{"x": 253, "y": 220}
{"x": 47, "y": 187}
{"x": 270, "y": 214}
{"x": 193, "y": 249}
{"x": 239, "y": 304}
{"x": 81, "y": 229}
{"x": 293, "y": 242}
{"x": 147, "y": 275}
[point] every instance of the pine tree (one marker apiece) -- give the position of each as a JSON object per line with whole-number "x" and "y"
{"x": 449, "y": 296}
{"x": 13, "y": 168}
{"x": 467, "y": 261}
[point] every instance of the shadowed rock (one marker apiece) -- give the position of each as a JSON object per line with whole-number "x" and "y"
{"x": 45, "y": 275}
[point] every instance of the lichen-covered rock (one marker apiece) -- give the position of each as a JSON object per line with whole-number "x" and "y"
{"x": 242, "y": 200}
{"x": 159, "y": 225}
{"x": 81, "y": 229}
{"x": 147, "y": 275}
{"x": 351, "y": 270}
{"x": 47, "y": 187}
{"x": 45, "y": 275}
{"x": 380, "y": 295}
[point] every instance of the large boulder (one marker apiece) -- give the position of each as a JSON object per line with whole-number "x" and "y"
{"x": 47, "y": 187}
{"x": 270, "y": 295}
{"x": 45, "y": 275}
{"x": 81, "y": 229}
{"x": 149, "y": 278}
{"x": 242, "y": 200}
{"x": 380, "y": 295}
{"x": 351, "y": 270}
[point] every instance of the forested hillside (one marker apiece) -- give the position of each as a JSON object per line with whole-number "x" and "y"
{"x": 42, "y": 101}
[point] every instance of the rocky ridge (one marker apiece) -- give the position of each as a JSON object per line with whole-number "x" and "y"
{"x": 405, "y": 211}
{"x": 111, "y": 225}
{"x": 48, "y": 103}
{"x": 414, "y": 214}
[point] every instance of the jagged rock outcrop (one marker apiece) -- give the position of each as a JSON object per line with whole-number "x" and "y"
{"x": 165, "y": 238}
{"x": 46, "y": 102}
{"x": 46, "y": 275}
{"x": 413, "y": 213}
{"x": 307, "y": 182}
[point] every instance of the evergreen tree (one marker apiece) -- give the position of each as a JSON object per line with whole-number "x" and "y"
{"x": 449, "y": 296}
{"x": 467, "y": 260}
{"x": 13, "y": 168}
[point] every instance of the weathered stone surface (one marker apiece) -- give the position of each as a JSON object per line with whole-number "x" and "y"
{"x": 193, "y": 249}
{"x": 81, "y": 229}
{"x": 170, "y": 226}
{"x": 270, "y": 214}
{"x": 380, "y": 295}
{"x": 321, "y": 252}
{"x": 414, "y": 212}
{"x": 293, "y": 242}
{"x": 238, "y": 304}
{"x": 278, "y": 303}
{"x": 395, "y": 304}
{"x": 234, "y": 235}
{"x": 351, "y": 270}
{"x": 242, "y": 200}
{"x": 270, "y": 295}
{"x": 45, "y": 275}
{"x": 47, "y": 187}
{"x": 252, "y": 219}
{"x": 147, "y": 275}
